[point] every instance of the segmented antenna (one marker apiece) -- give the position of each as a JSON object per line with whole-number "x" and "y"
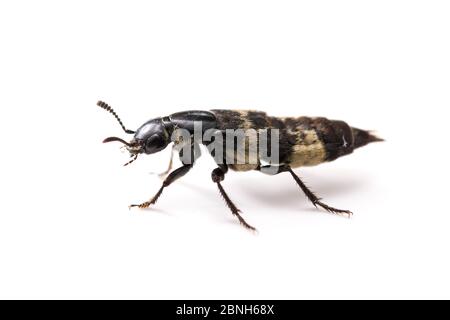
{"x": 105, "y": 106}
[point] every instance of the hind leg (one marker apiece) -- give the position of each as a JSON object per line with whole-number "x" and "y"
{"x": 311, "y": 196}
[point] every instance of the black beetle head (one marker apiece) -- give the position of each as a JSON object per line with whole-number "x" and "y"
{"x": 151, "y": 137}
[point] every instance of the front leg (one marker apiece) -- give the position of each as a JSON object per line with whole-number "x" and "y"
{"x": 163, "y": 174}
{"x": 188, "y": 163}
{"x": 174, "y": 175}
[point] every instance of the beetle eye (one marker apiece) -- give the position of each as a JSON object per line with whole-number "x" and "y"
{"x": 154, "y": 144}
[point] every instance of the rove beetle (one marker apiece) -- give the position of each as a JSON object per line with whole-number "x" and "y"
{"x": 302, "y": 141}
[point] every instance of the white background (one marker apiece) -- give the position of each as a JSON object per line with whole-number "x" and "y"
{"x": 65, "y": 229}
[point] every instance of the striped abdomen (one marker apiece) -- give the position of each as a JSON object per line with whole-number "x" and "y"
{"x": 303, "y": 141}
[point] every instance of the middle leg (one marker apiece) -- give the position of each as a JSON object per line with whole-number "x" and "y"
{"x": 217, "y": 176}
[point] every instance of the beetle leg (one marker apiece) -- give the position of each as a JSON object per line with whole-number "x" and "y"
{"x": 166, "y": 172}
{"x": 311, "y": 196}
{"x": 217, "y": 176}
{"x": 174, "y": 175}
